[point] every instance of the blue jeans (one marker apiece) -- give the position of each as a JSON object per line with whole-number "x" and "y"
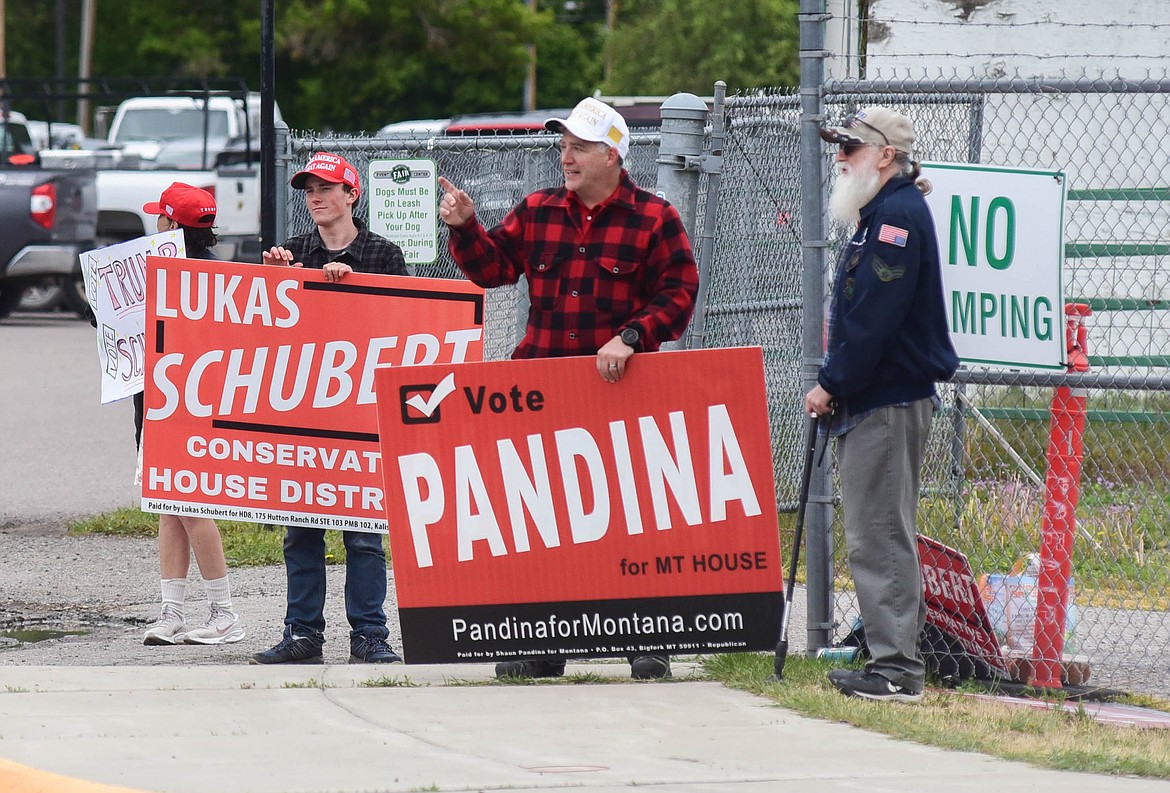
{"x": 365, "y": 584}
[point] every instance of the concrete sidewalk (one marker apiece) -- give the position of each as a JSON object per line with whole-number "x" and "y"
{"x": 325, "y": 729}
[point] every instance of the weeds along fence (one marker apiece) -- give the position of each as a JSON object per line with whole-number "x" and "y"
{"x": 983, "y": 489}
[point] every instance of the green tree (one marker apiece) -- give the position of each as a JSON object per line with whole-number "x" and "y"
{"x": 356, "y": 64}
{"x": 663, "y": 46}
{"x": 568, "y": 54}
{"x": 136, "y": 38}
{"x": 181, "y": 38}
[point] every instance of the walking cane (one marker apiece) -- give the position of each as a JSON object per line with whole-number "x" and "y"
{"x": 806, "y": 477}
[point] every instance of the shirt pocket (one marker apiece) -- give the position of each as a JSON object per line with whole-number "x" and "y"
{"x": 545, "y": 273}
{"x": 619, "y": 288}
{"x": 617, "y": 268}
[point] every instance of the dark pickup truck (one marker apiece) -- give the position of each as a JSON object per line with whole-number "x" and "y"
{"x": 47, "y": 218}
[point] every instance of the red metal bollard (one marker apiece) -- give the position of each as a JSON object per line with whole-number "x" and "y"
{"x": 1065, "y": 452}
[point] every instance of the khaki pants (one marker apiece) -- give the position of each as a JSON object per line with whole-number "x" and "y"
{"x": 879, "y": 462}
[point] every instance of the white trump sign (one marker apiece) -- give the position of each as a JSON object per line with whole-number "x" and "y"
{"x": 115, "y": 285}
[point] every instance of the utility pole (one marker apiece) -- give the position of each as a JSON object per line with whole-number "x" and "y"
{"x": 611, "y": 12}
{"x": 530, "y": 80}
{"x": 268, "y": 152}
{"x": 59, "y": 44}
{"x": 3, "y": 60}
{"x": 88, "y": 15}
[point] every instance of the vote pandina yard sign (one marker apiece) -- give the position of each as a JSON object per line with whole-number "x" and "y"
{"x": 536, "y": 510}
{"x": 1001, "y": 247}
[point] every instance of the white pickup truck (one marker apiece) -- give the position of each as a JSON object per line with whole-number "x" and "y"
{"x": 154, "y": 141}
{"x": 182, "y": 131}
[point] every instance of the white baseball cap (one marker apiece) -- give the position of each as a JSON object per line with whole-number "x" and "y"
{"x": 595, "y": 121}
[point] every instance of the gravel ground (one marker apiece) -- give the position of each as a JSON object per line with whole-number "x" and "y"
{"x": 107, "y": 588}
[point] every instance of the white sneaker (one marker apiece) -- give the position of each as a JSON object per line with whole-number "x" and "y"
{"x": 169, "y": 629}
{"x": 222, "y": 627}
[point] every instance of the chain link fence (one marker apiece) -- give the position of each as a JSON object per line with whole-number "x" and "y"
{"x": 983, "y": 482}
{"x": 497, "y": 171}
{"x": 754, "y": 292}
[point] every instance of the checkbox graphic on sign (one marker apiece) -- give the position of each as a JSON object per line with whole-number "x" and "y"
{"x": 421, "y": 402}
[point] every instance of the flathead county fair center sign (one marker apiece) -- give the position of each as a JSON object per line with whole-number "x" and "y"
{"x": 1001, "y": 248}
{"x": 404, "y": 207}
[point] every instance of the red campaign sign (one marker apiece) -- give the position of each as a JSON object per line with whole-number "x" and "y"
{"x": 260, "y": 401}
{"x": 953, "y": 602}
{"x": 537, "y": 510}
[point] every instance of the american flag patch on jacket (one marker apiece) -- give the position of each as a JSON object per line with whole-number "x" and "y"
{"x": 893, "y": 235}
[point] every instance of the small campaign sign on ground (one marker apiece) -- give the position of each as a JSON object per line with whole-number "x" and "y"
{"x": 538, "y": 510}
{"x": 953, "y": 602}
{"x": 260, "y": 385}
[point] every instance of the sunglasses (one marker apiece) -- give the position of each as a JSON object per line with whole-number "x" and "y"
{"x": 852, "y": 118}
{"x": 849, "y": 149}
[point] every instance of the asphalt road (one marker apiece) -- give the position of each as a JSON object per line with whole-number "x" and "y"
{"x": 63, "y": 455}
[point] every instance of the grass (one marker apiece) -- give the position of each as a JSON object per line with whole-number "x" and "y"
{"x": 1121, "y": 551}
{"x": 1121, "y": 557}
{"x": 1124, "y": 500}
{"x": 244, "y": 544}
{"x": 389, "y": 681}
{"x": 1049, "y": 738}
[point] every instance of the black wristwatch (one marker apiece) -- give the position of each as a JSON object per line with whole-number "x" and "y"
{"x": 631, "y": 337}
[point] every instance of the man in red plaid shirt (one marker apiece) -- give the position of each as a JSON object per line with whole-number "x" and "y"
{"x": 609, "y": 267}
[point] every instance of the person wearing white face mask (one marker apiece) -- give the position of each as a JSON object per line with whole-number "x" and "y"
{"x": 887, "y": 347}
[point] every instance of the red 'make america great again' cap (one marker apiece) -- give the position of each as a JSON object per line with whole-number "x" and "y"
{"x": 329, "y": 167}
{"x": 185, "y": 204}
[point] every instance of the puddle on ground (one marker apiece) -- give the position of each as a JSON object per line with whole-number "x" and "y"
{"x": 22, "y": 629}
{"x": 33, "y": 635}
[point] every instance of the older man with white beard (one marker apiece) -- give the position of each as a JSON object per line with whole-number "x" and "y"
{"x": 887, "y": 347}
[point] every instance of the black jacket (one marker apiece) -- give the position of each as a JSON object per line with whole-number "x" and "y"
{"x": 888, "y": 340}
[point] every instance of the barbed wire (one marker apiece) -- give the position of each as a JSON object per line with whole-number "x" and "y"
{"x": 958, "y": 23}
{"x": 875, "y": 54}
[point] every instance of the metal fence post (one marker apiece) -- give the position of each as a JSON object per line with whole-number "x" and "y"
{"x": 684, "y": 118}
{"x": 695, "y": 337}
{"x": 680, "y": 161}
{"x": 819, "y": 515}
{"x": 281, "y": 177}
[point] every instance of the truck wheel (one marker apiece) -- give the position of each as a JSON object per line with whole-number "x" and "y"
{"x": 73, "y": 295}
{"x": 44, "y": 295}
{"x": 10, "y": 295}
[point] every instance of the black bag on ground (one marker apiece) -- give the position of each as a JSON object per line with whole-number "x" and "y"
{"x": 947, "y": 663}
